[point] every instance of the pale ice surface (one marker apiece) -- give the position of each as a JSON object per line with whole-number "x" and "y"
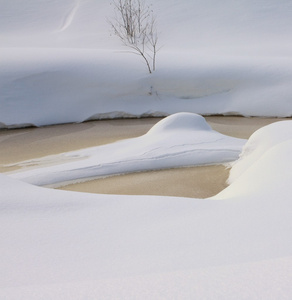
{"x": 59, "y": 64}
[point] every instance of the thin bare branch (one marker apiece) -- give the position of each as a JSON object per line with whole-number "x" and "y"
{"x": 135, "y": 25}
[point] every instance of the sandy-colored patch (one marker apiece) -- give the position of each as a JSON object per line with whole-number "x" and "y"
{"x": 194, "y": 182}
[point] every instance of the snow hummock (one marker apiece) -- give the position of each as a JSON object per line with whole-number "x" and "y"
{"x": 180, "y": 122}
{"x": 58, "y": 244}
{"x": 260, "y": 142}
{"x": 182, "y": 139}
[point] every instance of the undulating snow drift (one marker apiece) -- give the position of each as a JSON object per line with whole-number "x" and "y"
{"x": 183, "y": 139}
{"x": 236, "y": 245}
{"x": 59, "y": 63}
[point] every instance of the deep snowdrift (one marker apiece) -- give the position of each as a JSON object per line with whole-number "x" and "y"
{"x": 59, "y": 63}
{"x": 260, "y": 142}
{"x": 54, "y": 240}
{"x": 183, "y": 139}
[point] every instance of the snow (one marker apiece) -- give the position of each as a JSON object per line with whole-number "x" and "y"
{"x": 260, "y": 142}
{"x": 238, "y": 281}
{"x": 215, "y": 58}
{"x": 105, "y": 243}
{"x": 59, "y": 64}
{"x": 183, "y": 139}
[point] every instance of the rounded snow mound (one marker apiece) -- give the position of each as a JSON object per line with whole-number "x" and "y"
{"x": 267, "y": 179}
{"x": 181, "y": 121}
{"x": 260, "y": 142}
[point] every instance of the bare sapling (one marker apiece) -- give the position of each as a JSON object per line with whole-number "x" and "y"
{"x": 135, "y": 25}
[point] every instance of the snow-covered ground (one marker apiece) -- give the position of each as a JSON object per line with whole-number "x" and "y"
{"x": 59, "y": 64}
{"x": 237, "y": 244}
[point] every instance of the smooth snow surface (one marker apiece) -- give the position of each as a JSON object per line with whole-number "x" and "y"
{"x": 259, "y": 143}
{"x": 59, "y": 62}
{"x": 183, "y": 139}
{"x": 58, "y": 245}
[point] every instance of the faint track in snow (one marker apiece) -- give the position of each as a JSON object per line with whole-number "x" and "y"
{"x": 67, "y": 21}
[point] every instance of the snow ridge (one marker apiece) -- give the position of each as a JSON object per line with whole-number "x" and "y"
{"x": 68, "y": 19}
